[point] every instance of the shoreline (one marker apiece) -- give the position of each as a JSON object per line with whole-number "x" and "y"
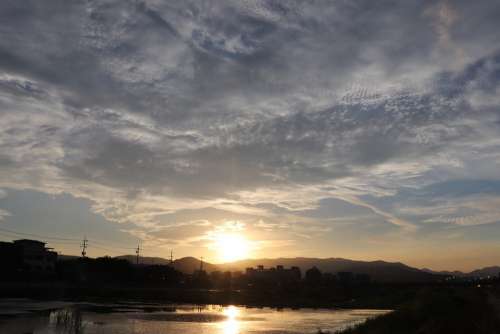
{"x": 383, "y": 297}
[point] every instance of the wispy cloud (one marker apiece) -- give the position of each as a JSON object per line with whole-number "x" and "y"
{"x": 257, "y": 109}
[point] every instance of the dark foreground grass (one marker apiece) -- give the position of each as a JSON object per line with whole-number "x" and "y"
{"x": 438, "y": 311}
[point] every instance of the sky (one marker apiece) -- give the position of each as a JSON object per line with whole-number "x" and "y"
{"x": 358, "y": 129}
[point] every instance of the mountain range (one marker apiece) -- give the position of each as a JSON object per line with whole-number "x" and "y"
{"x": 185, "y": 265}
{"x": 378, "y": 270}
{"x": 381, "y": 271}
{"x": 484, "y": 272}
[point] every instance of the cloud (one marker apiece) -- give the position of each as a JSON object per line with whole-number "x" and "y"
{"x": 3, "y": 214}
{"x": 159, "y": 110}
{"x": 445, "y": 17}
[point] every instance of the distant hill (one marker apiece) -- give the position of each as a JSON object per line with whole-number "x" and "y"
{"x": 484, "y": 272}
{"x": 189, "y": 264}
{"x": 379, "y": 270}
{"x": 186, "y": 265}
{"x": 455, "y": 273}
{"x": 487, "y": 271}
{"x": 144, "y": 259}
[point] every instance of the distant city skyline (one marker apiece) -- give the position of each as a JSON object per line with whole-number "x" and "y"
{"x": 254, "y": 129}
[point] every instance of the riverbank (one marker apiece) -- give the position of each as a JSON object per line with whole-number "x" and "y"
{"x": 369, "y": 297}
{"x": 424, "y": 310}
{"x": 457, "y": 310}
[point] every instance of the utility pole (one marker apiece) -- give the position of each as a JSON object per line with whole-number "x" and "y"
{"x": 171, "y": 258}
{"x": 201, "y": 264}
{"x": 84, "y": 246}
{"x": 137, "y": 251}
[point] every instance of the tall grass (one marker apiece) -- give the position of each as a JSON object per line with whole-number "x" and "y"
{"x": 437, "y": 311}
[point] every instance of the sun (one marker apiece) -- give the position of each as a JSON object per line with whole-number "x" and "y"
{"x": 231, "y": 247}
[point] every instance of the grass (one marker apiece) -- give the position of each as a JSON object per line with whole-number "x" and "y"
{"x": 437, "y": 311}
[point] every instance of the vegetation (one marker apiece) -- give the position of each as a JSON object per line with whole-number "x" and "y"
{"x": 454, "y": 310}
{"x": 449, "y": 306}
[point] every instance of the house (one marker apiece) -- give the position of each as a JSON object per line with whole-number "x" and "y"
{"x": 28, "y": 256}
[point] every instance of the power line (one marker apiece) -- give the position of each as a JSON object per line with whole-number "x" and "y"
{"x": 79, "y": 244}
{"x": 51, "y": 242}
{"x": 106, "y": 245}
{"x": 37, "y": 235}
{"x": 84, "y": 244}
{"x": 106, "y": 249}
{"x": 12, "y": 235}
{"x": 61, "y": 240}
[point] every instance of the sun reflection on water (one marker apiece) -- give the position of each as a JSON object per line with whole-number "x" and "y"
{"x": 231, "y": 325}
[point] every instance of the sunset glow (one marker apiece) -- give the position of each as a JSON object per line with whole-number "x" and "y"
{"x": 259, "y": 128}
{"x": 231, "y": 325}
{"x": 231, "y": 247}
{"x": 300, "y": 160}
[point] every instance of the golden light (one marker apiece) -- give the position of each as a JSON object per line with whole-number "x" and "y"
{"x": 231, "y": 312}
{"x": 231, "y": 247}
{"x": 231, "y": 325}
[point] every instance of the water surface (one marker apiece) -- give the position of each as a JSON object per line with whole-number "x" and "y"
{"x": 24, "y": 316}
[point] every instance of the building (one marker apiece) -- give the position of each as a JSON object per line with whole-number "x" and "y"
{"x": 28, "y": 256}
{"x": 279, "y": 275}
{"x": 35, "y": 256}
{"x": 8, "y": 256}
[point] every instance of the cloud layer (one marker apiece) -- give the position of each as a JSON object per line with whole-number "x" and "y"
{"x": 329, "y": 118}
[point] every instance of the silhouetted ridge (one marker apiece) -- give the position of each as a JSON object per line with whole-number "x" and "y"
{"x": 378, "y": 270}
{"x": 493, "y": 271}
{"x": 185, "y": 265}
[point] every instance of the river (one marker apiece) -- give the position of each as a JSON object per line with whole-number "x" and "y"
{"x": 26, "y": 316}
